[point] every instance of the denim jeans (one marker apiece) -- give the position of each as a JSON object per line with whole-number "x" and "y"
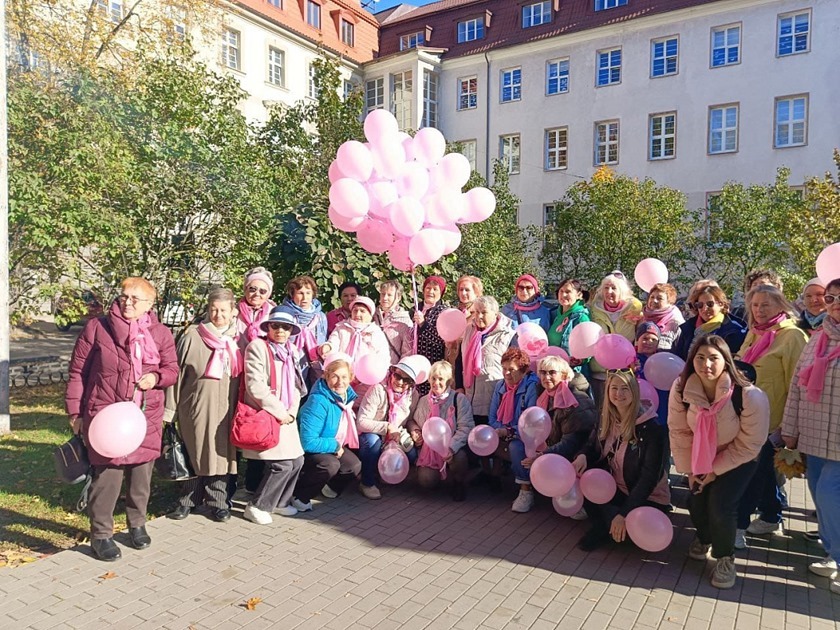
{"x": 370, "y": 447}
{"x": 516, "y": 448}
{"x": 762, "y": 494}
{"x": 824, "y": 482}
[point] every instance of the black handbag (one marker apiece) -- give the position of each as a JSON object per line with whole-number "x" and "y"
{"x": 174, "y": 462}
{"x": 72, "y": 466}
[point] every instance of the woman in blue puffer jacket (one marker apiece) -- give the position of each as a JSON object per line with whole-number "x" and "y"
{"x": 527, "y": 304}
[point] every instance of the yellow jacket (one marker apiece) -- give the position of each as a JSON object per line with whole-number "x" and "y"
{"x": 625, "y": 325}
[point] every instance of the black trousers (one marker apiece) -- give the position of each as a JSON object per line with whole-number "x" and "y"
{"x": 320, "y": 468}
{"x": 211, "y": 490}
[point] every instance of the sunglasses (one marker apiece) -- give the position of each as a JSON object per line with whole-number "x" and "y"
{"x": 259, "y": 290}
{"x": 829, "y": 298}
{"x": 707, "y": 304}
{"x": 618, "y": 274}
{"x": 279, "y": 326}
{"x": 627, "y": 370}
{"x": 525, "y": 287}
{"x": 398, "y": 376}
{"x": 548, "y": 372}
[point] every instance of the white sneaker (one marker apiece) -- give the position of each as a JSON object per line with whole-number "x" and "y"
{"x": 824, "y": 568}
{"x": 242, "y": 496}
{"x": 300, "y": 506}
{"x": 286, "y": 510}
{"x": 523, "y": 502}
{"x": 760, "y": 527}
{"x": 697, "y": 550}
{"x": 580, "y": 515}
{"x": 370, "y": 492}
{"x": 741, "y": 539}
{"x": 834, "y": 586}
{"x": 257, "y": 516}
{"x": 328, "y": 493}
{"x": 724, "y": 573}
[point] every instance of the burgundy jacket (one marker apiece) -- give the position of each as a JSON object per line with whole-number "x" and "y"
{"x": 101, "y": 374}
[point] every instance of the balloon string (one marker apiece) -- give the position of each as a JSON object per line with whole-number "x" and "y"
{"x": 416, "y": 307}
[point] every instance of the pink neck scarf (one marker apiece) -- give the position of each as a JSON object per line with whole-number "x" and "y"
{"x": 613, "y": 309}
{"x": 252, "y": 318}
{"x": 563, "y": 398}
{"x": 356, "y": 331}
{"x": 505, "y": 412}
{"x": 661, "y": 318}
{"x": 144, "y": 350}
{"x": 226, "y": 355}
{"x": 395, "y": 400}
{"x": 347, "y": 434}
{"x": 435, "y": 401}
{"x": 473, "y": 357}
{"x": 285, "y": 355}
{"x": 812, "y": 377}
{"x": 766, "y": 335}
{"x": 429, "y": 457}
{"x": 306, "y": 341}
{"x": 704, "y": 444}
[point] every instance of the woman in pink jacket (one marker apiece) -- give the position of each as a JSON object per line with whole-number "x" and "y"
{"x": 122, "y": 356}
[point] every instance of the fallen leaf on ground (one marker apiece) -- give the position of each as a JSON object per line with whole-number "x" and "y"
{"x": 251, "y": 604}
{"x": 108, "y": 576}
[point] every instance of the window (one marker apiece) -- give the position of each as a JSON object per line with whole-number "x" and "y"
{"x": 276, "y": 65}
{"x": 714, "y": 222}
{"x": 663, "y": 136}
{"x": 276, "y": 3}
{"x": 723, "y": 129}
{"x": 401, "y": 96}
{"x": 313, "y": 14}
{"x": 112, "y": 9}
{"x": 606, "y": 142}
{"x": 470, "y": 30}
{"x": 348, "y": 32}
{"x": 430, "y": 99}
{"x": 600, "y": 5}
{"x": 536, "y": 14}
{"x": 556, "y": 148}
{"x": 349, "y": 86}
{"x": 375, "y": 94}
{"x": 511, "y": 85}
{"x": 791, "y": 125}
{"x": 793, "y": 32}
{"x": 663, "y": 56}
{"x": 509, "y": 151}
{"x": 313, "y": 88}
{"x": 468, "y": 93}
{"x": 609, "y": 67}
{"x": 413, "y": 40}
{"x": 469, "y": 149}
{"x": 557, "y": 77}
{"x": 726, "y": 45}
{"x": 177, "y": 19}
{"x": 549, "y": 215}
{"x": 230, "y": 49}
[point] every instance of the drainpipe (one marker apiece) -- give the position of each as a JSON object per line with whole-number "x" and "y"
{"x": 487, "y": 125}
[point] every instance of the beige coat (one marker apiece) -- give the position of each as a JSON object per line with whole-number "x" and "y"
{"x": 373, "y": 410}
{"x": 494, "y": 346}
{"x": 739, "y": 440}
{"x": 203, "y": 407}
{"x": 258, "y": 395}
{"x": 397, "y": 326}
{"x": 464, "y": 422}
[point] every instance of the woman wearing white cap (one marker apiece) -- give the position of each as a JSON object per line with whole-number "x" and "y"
{"x": 813, "y": 299}
{"x": 255, "y": 304}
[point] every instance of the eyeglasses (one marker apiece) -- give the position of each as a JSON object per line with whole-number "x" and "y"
{"x": 279, "y": 326}
{"x": 829, "y": 298}
{"x": 706, "y": 304}
{"x": 399, "y": 376}
{"x": 259, "y": 290}
{"x": 547, "y": 372}
{"x": 525, "y": 287}
{"x": 627, "y": 370}
{"x": 132, "y": 299}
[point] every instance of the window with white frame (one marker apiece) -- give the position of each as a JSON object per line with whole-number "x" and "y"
{"x": 549, "y": 215}
{"x": 312, "y": 89}
{"x": 609, "y": 67}
{"x": 348, "y": 32}
{"x": 313, "y": 14}
{"x": 230, "y": 49}
{"x": 723, "y": 129}
{"x": 401, "y": 97}
{"x": 177, "y": 20}
{"x": 375, "y": 94}
{"x": 606, "y": 142}
{"x": 664, "y": 55}
{"x": 430, "y": 99}
{"x": 412, "y": 40}
{"x": 557, "y": 76}
{"x": 794, "y": 30}
{"x": 112, "y": 9}
{"x": 536, "y": 14}
{"x": 662, "y": 129}
{"x": 276, "y": 67}
{"x": 470, "y": 30}
{"x": 511, "y": 85}
{"x": 600, "y": 5}
{"x": 509, "y": 152}
{"x": 469, "y": 149}
{"x": 467, "y": 93}
{"x": 556, "y": 148}
{"x": 349, "y": 86}
{"x": 726, "y": 45}
{"x": 791, "y": 127}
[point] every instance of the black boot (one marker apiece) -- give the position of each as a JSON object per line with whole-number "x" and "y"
{"x": 139, "y": 538}
{"x": 179, "y": 513}
{"x": 105, "y": 549}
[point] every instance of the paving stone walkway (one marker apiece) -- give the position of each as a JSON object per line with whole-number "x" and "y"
{"x": 415, "y": 561}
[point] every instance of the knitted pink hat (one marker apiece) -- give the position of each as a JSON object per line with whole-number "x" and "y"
{"x": 528, "y": 278}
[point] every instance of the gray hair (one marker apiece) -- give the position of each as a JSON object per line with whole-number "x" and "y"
{"x": 620, "y": 282}
{"x": 487, "y": 302}
{"x": 396, "y": 286}
{"x": 221, "y": 294}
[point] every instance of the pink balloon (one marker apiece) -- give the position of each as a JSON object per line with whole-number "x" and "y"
{"x": 117, "y": 430}
{"x": 650, "y": 271}
{"x": 426, "y": 247}
{"x": 428, "y": 146}
{"x": 382, "y": 194}
{"x": 662, "y": 369}
{"x": 648, "y": 392}
{"x": 408, "y": 148}
{"x": 453, "y": 171}
{"x": 552, "y": 475}
{"x": 532, "y": 339}
{"x": 828, "y": 263}
{"x": 614, "y": 352}
{"x": 534, "y": 428}
{"x": 379, "y": 124}
{"x": 355, "y": 160}
{"x": 374, "y": 236}
{"x": 570, "y": 503}
{"x": 371, "y": 368}
{"x": 413, "y": 180}
{"x": 343, "y": 223}
{"x": 598, "y": 485}
{"x": 451, "y": 324}
{"x": 437, "y": 435}
{"x": 452, "y": 238}
{"x": 423, "y": 367}
{"x": 554, "y": 351}
{"x": 444, "y": 207}
{"x": 398, "y": 255}
{"x": 483, "y": 440}
{"x": 336, "y": 355}
{"x": 406, "y": 216}
{"x": 480, "y": 204}
{"x": 583, "y": 338}
{"x": 649, "y": 528}
{"x": 349, "y": 198}
{"x": 393, "y": 464}
{"x": 388, "y": 157}
{"x": 334, "y": 173}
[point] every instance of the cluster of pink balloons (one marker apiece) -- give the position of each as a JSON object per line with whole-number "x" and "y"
{"x": 117, "y": 430}
{"x": 402, "y": 195}
{"x": 437, "y": 435}
{"x": 828, "y": 263}
{"x": 483, "y": 440}
{"x": 649, "y": 272}
{"x": 393, "y": 464}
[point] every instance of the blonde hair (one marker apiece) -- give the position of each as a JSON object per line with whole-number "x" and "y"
{"x": 141, "y": 284}
{"x": 478, "y": 285}
{"x": 611, "y": 416}
{"x": 335, "y": 366}
{"x": 557, "y": 363}
{"x": 776, "y": 296}
{"x": 444, "y": 370}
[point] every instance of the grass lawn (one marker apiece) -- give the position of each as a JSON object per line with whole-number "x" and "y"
{"x": 37, "y": 511}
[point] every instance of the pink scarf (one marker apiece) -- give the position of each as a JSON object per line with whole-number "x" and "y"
{"x": 306, "y": 341}
{"x": 394, "y": 400}
{"x": 704, "y": 445}
{"x": 144, "y": 350}
{"x": 505, "y": 411}
{"x": 812, "y": 377}
{"x": 661, "y": 318}
{"x": 252, "y": 319}
{"x": 429, "y": 457}
{"x": 767, "y": 335}
{"x": 347, "y": 434}
{"x": 226, "y": 354}
{"x": 473, "y": 358}
{"x": 613, "y": 309}
{"x": 285, "y": 354}
{"x": 356, "y": 331}
{"x": 563, "y": 398}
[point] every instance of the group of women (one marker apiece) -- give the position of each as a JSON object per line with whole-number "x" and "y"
{"x": 747, "y": 388}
